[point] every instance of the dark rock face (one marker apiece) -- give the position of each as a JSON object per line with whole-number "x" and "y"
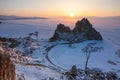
{"x": 83, "y": 31}
{"x": 85, "y": 28}
{"x": 82, "y": 26}
{"x": 61, "y": 33}
{"x": 63, "y": 29}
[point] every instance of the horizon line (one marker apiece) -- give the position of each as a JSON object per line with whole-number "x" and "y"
{"x": 59, "y": 16}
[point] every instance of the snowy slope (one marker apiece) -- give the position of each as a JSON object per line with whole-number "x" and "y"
{"x": 66, "y": 57}
{"x": 37, "y": 72}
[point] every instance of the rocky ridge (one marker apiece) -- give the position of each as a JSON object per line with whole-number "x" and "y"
{"x": 82, "y": 31}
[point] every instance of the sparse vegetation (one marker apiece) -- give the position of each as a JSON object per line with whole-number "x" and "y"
{"x": 90, "y": 48}
{"x": 93, "y": 74}
{"x": 73, "y": 74}
{"x": 7, "y": 68}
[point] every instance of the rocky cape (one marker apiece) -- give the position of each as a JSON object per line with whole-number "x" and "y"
{"x": 82, "y": 31}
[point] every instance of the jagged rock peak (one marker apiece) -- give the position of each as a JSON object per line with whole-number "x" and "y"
{"x": 61, "y": 32}
{"x": 83, "y": 31}
{"x": 84, "y": 21}
{"x": 82, "y": 26}
{"x": 62, "y": 28}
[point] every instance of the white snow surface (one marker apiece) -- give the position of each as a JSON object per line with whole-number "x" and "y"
{"x": 10, "y": 29}
{"x": 37, "y": 73}
{"x": 66, "y": 57}
{"x": 61, "y": 55}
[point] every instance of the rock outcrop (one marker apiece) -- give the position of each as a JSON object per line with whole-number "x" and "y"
{"x": 85, "y": 28}
{"x": 7, "y": 68}
{"x": 83, "y": 31}
{"x": 62, "y": 33}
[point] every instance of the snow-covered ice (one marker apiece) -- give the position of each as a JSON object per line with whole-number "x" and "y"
{"x": 66, "y": 57}
{"x": 62, "y": 55}
{"x": 36, "y": 72}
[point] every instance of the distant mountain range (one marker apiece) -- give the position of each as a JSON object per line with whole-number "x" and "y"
{"x": 4, "y": 17}
{"x": 13, "y": 17}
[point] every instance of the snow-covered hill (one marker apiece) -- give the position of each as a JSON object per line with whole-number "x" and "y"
{"x": 53, "y": 58}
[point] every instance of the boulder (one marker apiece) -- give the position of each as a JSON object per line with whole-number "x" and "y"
{"x": 73, "y": 71}
{"x": 83, "y": 31}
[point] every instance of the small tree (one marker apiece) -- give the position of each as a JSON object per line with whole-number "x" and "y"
{"x": 88, "y": 50}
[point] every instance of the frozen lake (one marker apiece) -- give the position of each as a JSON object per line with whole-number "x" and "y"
{"x": 108, "y": 27}
{"x": 62, "y": 55}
